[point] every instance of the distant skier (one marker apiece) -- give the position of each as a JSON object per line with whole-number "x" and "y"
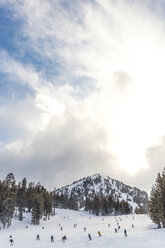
{"x": 61, "y": 228}
{"x": 11, "y": 241}
{"x": 115, "y": 230}
{"x": 118, "y": 227}
{"x": 64, "y": 238}
{"x": 132, "y": 225}
{"x": 109, "y": 225}
{"x": 125, "y": 232}
{"x": 99, "y": 233}
{"x": 52, "y": 239}
{"x": 84, "y": 229}
{"x": 38, "y": 237}
{"x": 89, "y": 236}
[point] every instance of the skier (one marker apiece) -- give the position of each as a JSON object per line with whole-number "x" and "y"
{"x": 38, "y": 237}
{"x": 132, "y": 225}
{"x": 115, "y": 230}
{"x": 89, "y": 236}
{"x": 125, "y": 232}
{"x": 118, "y": 227}
{"x": 64, "y": 238}
{"x": 52, "y": 239}
{"x": 11, "y": 241}
{"x": 84, "y": 229}
{"x": 109, "y": 225}
{"x": 61, "y": 228}
{"x": 99, "y": 233}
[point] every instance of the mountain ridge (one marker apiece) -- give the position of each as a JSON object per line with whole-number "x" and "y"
{"x": 101, "y": 185}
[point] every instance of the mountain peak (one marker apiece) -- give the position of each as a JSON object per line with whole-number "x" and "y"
{"x": 101, "y": 185}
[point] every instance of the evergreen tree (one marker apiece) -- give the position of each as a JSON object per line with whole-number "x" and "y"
{"x": 104, "y": 206}
{"x": 54, "y": 200}
{"x": 29, "y": 196}
{"x": 96, "y": 206}
{"x": 35, "y": 198}
{"x": 87, "y": 204}
{"x": 37, "y": 208}
{"x": 7, "y": 200}
{"x": 47, "y": 204}
{"x": 156, "y": 206}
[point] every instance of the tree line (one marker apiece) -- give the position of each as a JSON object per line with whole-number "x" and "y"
{"x": 107, "y": 206}
{"x": 98, "y": 205}
{"x": 15, "y": 199}
{"x": 21, "y": 197}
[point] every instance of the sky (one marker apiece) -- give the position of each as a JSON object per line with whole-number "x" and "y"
{"x": 82, "y": 90}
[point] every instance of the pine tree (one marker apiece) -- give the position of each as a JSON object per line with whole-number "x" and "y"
{"x": 156, "y": 201}
{"x": 104, "y": 206}
{"x": 163, "y": 197}
{"x": 37, "y": 208}
{"x": 29, "y": 196}
{"x": 54, "y": 200}
{"x": 47, "y": 204}
{"x": 96, "y": 206}
{"x": 87, "y": 204}
{"x": 154, "y": 207}
{"x": 7, "y": 199}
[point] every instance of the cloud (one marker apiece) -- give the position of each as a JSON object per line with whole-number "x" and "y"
{"x": 61, "y": 151}
{"x": 122, "y": 80}
{"x": 102, "y": 106}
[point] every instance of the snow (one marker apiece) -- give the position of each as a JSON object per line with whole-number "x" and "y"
{"x": 104, "y": 185}
{"x": 144, "y": 234}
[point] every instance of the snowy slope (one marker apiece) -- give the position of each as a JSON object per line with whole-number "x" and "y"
{"x": 101, "y": 185}
{"x": 142, "y": 235}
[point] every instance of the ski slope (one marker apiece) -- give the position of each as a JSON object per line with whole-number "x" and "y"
{"x": 143, "y": 235}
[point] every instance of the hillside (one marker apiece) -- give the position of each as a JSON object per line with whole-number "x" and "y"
{"x": 143, "y": 234}
{"x": 103, "y": 186}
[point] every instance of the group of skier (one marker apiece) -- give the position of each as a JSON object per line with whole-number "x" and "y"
{"x": 75, "y": 225}
{"x": 51, "y": 238}
{"x": 99, "y": 233}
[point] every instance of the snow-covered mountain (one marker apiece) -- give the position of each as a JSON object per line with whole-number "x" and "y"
{"x": 100, "y": 185}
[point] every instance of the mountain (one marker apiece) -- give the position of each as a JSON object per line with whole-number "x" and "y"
{"x": 103, "y": 186}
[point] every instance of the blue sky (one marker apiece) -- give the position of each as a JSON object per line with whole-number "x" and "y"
{"x": 82, "y": 89}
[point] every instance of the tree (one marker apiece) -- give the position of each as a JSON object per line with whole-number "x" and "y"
{"x": 37, "y": 208}
{"x": 21, "y": 197}
{"x": 7, "y": 200}
{"x": 96, "y": 206}
{"x": 156, "y": 206}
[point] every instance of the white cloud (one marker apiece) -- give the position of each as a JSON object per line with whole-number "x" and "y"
{"x": 119, "y": 48}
